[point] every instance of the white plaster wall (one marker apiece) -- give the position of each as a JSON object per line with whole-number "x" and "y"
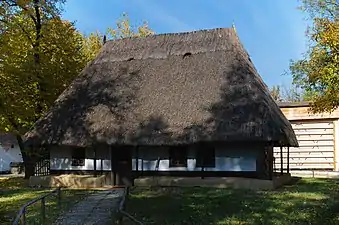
{"x": 148, "y": 157}
{"x": 61, "y": 159}
{"x": 6, "y": 157}
{"x": 227, "y": 159}
{"x": 236, "y": 159}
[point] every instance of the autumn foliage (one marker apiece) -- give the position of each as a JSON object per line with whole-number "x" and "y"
{"x": 318, "y": 72}
{"x": 40, "y": 54}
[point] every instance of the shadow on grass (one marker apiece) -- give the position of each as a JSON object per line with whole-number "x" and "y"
{"x": 15, "y": 193}
{"x": 309, "y": 201}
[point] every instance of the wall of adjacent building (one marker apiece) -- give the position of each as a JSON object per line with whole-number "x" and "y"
{"x": 9, "y": 152}
{"x": 318, "y": 136}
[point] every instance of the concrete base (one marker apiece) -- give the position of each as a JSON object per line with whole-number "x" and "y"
{"x": 217, "y": 182}
{"x": 316, "y": 174}
{"x": 69, "y": 181}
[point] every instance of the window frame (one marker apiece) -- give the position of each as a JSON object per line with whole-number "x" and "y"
{"x": 78, "y": 157}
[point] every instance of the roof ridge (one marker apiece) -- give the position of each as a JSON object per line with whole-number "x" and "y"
{"x": 176, "y": 55}
{"x": 168, "y": 34}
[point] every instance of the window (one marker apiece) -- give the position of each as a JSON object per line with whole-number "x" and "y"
{"x": 78, "y": 156}
{"x": 178, "y": 156}
{"x": 205, "y": 156}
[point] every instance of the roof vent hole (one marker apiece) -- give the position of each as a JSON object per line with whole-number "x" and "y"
{"x": 130, "y": 59}
{"x": 187, "y": 54}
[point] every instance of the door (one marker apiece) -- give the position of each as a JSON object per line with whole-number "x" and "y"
{"x": 122, "y": 166}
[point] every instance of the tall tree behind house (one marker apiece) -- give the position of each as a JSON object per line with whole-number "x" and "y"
{"x": 318, "y": 72}
{"x": 40, "y": 55}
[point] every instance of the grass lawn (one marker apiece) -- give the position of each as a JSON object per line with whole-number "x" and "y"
{"x": 14, "y": 193}
{"x": 309, "y": 201}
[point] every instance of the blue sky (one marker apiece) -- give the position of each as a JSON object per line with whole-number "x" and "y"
{"x": 272, "y": 31}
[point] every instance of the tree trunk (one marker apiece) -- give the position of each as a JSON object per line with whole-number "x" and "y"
{"x": 29, "y": 161}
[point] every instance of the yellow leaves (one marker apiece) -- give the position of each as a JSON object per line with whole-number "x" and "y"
{"x": 60, "y": 61}
{"x": 63, "y": 52}
{"x": 93, "y": 43}
{"x": 318, "y": 73}
{"x": 125, "y": 29}
{"x": 2, "y": 11}
{"x": 23, "y": 3}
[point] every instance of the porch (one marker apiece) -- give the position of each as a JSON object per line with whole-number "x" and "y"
{"x": 217, "y": 182}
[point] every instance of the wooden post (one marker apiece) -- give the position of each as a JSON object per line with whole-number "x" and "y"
{"x": 137, "y": 161}
{"x": 202, "y": 152}
{"x": 142, "y": 164}
{"x": 336, "y": 145}
{"x": 112, "y": 169}
{"x": 95, "y": 161}
{"x": 101, "y": 166}
{"x": 43, "y": 211}
{"x": 288, "y": 159}
{"x": 281, "y": 160}
{"x": 270, "y": 161}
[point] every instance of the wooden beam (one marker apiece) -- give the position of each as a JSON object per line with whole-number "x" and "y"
{"x": 281, "y": 160}
{"x": 101, "y": 166}
{"x": 336, "y": 145}
{"x": 288, "y": 159}
{"x": 270, "y": 162}
{"x": 95, "y": 160}
{"x": 112, "y": 169}
{"x": 137, "y": 159}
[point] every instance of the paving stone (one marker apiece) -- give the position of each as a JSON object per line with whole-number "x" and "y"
{"x": 96, "y": 209}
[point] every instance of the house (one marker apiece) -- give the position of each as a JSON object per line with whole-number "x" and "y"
{"x": 318, "y": 137}
{"x": 9, "y": 152}
{"x": 183, "y": 104}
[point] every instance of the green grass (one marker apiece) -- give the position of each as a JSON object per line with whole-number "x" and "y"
{"x": 309, "y": 201}
{"x": 14, "y": 193}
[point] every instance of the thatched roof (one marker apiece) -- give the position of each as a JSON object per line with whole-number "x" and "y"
{"x": 163, "y": 90}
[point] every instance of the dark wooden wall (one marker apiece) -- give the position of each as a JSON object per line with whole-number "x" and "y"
{"x": 121, "y": 161}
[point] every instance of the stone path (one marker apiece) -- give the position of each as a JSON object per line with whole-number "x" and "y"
{"x": 94, "y": 210}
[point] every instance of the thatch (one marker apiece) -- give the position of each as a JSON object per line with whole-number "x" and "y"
{"x": 164, "y": 90}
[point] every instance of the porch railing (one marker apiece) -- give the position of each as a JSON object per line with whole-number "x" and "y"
{"x": 122, "y": 212}
{"x": 21, "y": 217}
{"x": 42, "y": 168}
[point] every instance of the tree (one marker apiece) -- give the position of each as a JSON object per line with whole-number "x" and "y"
{"x": 282, "y": 93}
{"x": 275, "y": 92}
{"x": 318, "y": 72}
{"x": 40, "y": 55}
{"x": 122, "y": 29}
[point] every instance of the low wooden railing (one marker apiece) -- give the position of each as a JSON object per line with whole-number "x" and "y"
{"x": 21, "y": 217}
{"x": 122, "y": 212}
{"x": 42, "y": 168}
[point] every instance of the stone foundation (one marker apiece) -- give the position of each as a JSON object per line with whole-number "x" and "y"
{"x": 89, "y": 181}
{"x": 217, "y": 182}
{"x": 69, "y": 181}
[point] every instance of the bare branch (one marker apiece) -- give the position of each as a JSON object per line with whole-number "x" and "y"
{"x": 13, "y": 3}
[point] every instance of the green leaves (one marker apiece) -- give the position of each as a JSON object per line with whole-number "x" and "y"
{"x": 30, "y": 86}
{"x": 318, "y": 72}
{"x": 122, "y": 29}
